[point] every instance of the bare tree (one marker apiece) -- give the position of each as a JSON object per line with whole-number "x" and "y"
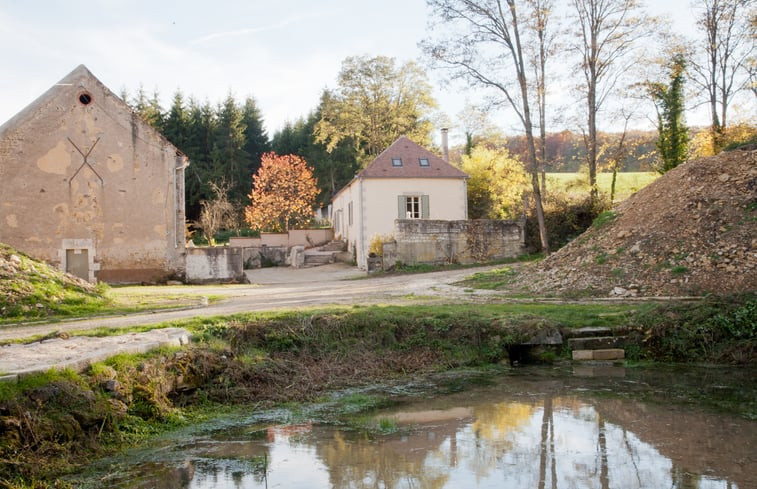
{"x": 217, "y": 213}
{"x": 481, "y": 43}
{"x": 608, "y": 31}
{"x": 545, "y": 36}
{"x": 728, "y": 30}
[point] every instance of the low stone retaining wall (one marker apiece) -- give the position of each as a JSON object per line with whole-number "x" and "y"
{"x": 439, "y": 242}
{"x": 295, "y": 237}
{"x": 215, "y": 264}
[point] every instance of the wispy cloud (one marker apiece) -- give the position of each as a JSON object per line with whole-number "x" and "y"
{"x": 255, "y": 30}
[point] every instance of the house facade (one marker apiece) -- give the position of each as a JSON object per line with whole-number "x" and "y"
{"x": 88, "y": 186}
{"x": 406, "y": 181}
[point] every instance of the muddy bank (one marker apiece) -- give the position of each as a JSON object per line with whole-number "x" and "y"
{"x": 55, "y": 423}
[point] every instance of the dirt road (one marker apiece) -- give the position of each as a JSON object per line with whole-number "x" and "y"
{"x": 283, "y": 288}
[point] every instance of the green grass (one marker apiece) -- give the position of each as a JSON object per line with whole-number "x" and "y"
{"x": 11, "y": 390}
{"x": 603, "y": 219}
{"x": 626, "y": 184}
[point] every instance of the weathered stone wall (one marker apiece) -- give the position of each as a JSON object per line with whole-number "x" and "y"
{"x": 81, "y": 173}
{"x": 295, "y": 237}
{"x": 469, "y": 241}
{"x": 215, "y": 264}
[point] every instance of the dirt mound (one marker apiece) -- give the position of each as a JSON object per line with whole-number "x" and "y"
{"x": 691, "y": 232}
{"x": 30, "y": 288}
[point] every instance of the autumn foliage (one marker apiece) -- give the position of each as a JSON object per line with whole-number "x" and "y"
{"x": 283, "y": 193}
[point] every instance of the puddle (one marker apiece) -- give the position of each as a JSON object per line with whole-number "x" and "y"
{"x": 534, "y": 428}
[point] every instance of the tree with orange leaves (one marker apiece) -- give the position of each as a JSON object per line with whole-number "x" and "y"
{"x": 283, "y": 193}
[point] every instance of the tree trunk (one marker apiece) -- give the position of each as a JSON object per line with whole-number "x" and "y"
{"x": 591, "y": 154}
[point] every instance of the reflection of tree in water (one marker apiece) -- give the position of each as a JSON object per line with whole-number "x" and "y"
{"x": 554, "y": 443}
{"x": 395, "y": 461}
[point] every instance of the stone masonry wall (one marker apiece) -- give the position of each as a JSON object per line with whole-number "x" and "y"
{"x": 469, "y": 241}
{"x": 215, "y": 264}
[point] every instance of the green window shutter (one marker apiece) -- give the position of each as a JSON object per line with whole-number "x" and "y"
{"x": 424, "y": 207}
{"x": 401, "y": 207}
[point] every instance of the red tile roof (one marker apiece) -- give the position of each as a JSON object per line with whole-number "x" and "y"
{"x": 410, "y": 153}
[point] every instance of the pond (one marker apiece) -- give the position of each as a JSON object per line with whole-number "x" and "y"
{"x": 533, "y": 427}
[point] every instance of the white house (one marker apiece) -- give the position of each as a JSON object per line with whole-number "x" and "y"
{"x": 406, "y": 181}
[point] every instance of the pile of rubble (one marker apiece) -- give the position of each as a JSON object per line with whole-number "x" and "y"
{"x": 691, "y": 232}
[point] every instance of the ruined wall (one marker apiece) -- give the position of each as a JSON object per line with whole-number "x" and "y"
{"x": 215, "y": 264}
{"x": 468, "y": 241}
{"x": 80, "y": 171}
{"x": 295, "y": 237}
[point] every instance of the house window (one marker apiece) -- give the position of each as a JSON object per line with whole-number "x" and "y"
{"x": 423, "y": 161}
{"x": 412, "y": 207}
{"x": 349, "y": 213}
{"x": 396, "y": 161}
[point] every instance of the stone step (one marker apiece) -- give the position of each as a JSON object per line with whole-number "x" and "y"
{"x": 333, "y": 246}
{"x": 589, "y": 332}
{"x": 597, "y": 343}
{"x": 603, "y": 354}
{"x": 319, "y": 258}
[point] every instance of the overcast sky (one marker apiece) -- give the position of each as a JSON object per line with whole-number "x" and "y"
{"x": 281, "y": 52}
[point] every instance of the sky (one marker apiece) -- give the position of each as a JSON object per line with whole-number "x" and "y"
{"x": 283, "y": 53}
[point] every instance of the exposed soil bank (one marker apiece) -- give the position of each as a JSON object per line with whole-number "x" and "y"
{"x": 55, "y": 423}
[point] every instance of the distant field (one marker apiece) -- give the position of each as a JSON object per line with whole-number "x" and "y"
{"x": 627, "y": 183}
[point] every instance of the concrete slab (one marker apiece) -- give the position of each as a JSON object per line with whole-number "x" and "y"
{"x": 580, "y": 355}
{"x": 610, "y": 354}
{"x": 78, "y": 352}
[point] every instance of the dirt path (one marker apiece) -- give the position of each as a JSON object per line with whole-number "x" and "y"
{"x": 281, "y": 288}
{"x": 270, "y": 289}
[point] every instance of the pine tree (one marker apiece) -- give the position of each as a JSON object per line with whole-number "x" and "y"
{"x": 176, "y": 123}
{"x": 229, "y": 159}
{"x": 256, "y": 140}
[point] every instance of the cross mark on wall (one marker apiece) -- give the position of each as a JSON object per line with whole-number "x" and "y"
{"x": 85, "y": 162}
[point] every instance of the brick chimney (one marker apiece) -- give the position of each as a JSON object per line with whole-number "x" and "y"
{"x": 445, "y": 145}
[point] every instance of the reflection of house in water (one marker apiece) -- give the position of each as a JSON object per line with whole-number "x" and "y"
{"x": 358, "y": 461}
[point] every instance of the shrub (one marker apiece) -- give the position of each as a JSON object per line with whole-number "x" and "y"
{"x": 565, "y": 218}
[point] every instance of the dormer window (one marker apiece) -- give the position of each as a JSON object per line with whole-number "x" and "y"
{"x": 396, "y": 161}
{"x": 423, "y": 161}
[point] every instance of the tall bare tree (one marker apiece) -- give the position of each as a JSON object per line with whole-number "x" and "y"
{"x": 544, "y": 36}
{"x": 481, "y": 43}
{"x": 608, "y": 31}
{"x": 728, "y": 30}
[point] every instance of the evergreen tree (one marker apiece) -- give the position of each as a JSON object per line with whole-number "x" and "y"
{"x": 176, "y": 123}
{"x": 229, "y": 159}
{"x": 202, "y": 121}
{"x": 673, "y": 135}
{"x": 256, "y": 140}
{"x": 149, "y": 109}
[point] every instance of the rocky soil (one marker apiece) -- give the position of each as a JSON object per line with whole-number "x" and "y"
{"x": 691, "y": 232}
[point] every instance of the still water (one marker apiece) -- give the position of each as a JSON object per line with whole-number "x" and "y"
{"x": 529, "y": 428}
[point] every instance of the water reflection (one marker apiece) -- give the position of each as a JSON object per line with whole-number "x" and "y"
{"x": 483, "y": 439}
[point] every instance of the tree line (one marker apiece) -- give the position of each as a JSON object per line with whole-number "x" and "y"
{"x": 618, "y": 54}
{"x": 511, "y": 48}
{"x": 224, "y": 142}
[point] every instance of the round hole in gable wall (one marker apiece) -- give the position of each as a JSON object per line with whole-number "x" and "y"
{"x": 85, "y": 98}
